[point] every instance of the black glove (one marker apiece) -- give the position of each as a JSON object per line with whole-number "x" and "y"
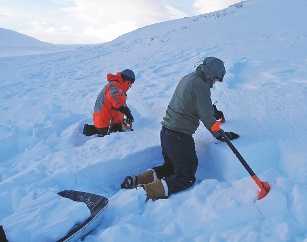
{"x": 102, "y": 132}
{"x": 219, "y": 134}
{"x": 116, "y": 128}
{"x": 230, "y": 135}
{"x": 218, "y": 114}
{"x": 129, "y": 182}
{"x": 125, "y": 110}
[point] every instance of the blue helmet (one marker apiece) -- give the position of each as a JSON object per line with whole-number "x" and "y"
{"x": 128, "y": 75}
{"x": 214, "y": 68}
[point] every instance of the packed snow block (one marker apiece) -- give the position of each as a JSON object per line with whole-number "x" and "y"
{"x": 274, "y": 204}
{"x": 45, "y": 218}
{"x": 293, "y": 161}
{"x": 74, "y": 134}
{"x": 129, "y": 232}
{"x": 8, "y": 147}
{"x": 299, "y": 194}
{"x": 220, "y": 162}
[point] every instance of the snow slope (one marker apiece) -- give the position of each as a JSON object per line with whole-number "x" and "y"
{"x": 46, "y": 99}
{"x": 16, "y": 44}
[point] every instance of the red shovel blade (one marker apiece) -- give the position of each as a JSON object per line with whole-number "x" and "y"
{"x": 263, "y": 186}
{"x": 264, "y": 190}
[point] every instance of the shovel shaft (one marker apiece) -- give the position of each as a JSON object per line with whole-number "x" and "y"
{"x": 264, "y": 187}
{"x": 239, "y": 156}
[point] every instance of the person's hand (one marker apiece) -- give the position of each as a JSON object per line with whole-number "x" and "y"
{"x": 102, "y": 132}
{"x": 125, "y": 110}
{"x": 218, "y": 114}
{"x": 116, "y": 128}
{"x": 129, "y": 182}
{"x": 219, "y": 134}
{"x": 230, "y": 135}
{"x": 129, "y": 118}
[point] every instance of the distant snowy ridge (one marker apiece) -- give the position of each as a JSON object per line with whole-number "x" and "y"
{"x": 9, "y": 38}
{"x": 13, "y": 43}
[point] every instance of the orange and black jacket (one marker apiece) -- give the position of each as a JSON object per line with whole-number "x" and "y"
{"x": 112, "y": 97}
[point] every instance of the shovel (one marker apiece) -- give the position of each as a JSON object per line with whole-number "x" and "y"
{"x": 264, "y": 187}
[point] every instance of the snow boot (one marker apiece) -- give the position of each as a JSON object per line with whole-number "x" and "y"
{"x": 147, "y": 177}
{"x": 156, "y": 190}
{"x": 89, "y": 130}
{"x": 131, "y": 182}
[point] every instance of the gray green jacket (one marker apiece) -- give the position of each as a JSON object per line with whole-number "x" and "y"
{"x": 191, "y": 102}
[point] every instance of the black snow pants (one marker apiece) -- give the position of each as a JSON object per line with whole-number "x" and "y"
{"x": 180, "y": 160}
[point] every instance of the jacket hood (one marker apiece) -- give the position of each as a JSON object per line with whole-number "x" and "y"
{"x": 114, "y": 77}
{"x": 213, "y": 68}
{"x": 201, "y": 74}
{"x": 118, "y": 80}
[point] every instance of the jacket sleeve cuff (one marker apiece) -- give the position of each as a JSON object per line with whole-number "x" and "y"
{"x": 215, "y": 127}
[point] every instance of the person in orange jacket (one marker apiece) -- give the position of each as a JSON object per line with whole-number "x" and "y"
{"x": 111, "y": 113}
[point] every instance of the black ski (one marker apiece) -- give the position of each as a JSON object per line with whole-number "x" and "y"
{"x": 95, "y": 204}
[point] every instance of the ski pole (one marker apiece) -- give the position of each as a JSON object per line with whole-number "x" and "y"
{"x": 262, "y": 185}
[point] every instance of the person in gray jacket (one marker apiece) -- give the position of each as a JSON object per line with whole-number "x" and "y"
{"x": 190, "y": 104}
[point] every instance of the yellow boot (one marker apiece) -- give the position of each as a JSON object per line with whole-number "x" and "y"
{"x": 146, "y": 177}
{"x": 156, "y": 189}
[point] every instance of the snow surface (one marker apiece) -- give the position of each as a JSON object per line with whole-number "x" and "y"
{"x": 45, "y": 99}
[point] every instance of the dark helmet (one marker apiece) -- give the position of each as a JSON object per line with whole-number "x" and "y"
{"x": 214, "y": 68}
{"x": 128, "y": 75}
